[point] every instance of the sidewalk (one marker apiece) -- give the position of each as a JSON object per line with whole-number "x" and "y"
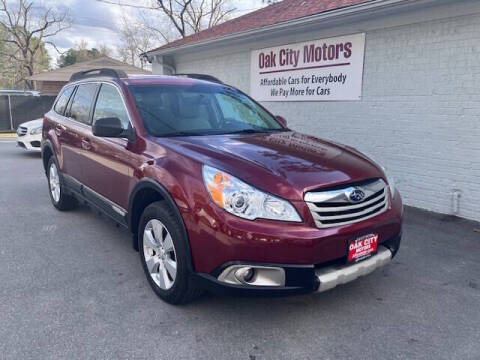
{"x": 8, "y": 137}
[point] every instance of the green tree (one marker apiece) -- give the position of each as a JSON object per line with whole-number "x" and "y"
{"x": 81, "y": 53}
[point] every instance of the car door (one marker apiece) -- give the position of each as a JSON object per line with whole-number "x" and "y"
{"x": 77, "y": 132}
{"x": 58, "y": 124}
{"x": 109, "y": 170}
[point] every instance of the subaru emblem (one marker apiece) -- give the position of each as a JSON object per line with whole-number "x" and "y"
{"x": 356, "y": 196}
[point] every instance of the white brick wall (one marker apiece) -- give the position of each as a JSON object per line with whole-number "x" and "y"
{"x": 420, "y": 112}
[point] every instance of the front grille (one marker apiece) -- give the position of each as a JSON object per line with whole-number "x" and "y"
{"x": 334, "y": 207}
{"x": 21, "y": 131}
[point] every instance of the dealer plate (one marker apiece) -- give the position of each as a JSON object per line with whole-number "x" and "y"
{"x": 362, "y": 247}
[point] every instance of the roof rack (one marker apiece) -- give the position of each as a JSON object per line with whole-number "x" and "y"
{"x": 118, "y": 74}
{"x": 201, "y": 77}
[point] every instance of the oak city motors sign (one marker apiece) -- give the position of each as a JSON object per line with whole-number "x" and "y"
{"x": 328, "y": 69}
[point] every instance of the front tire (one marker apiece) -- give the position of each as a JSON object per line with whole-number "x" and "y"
{"x": 59, "y": 198}
{"x": 164, "y": 254}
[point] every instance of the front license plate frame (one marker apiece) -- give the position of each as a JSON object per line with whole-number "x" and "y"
{"x": 362, "y": 247}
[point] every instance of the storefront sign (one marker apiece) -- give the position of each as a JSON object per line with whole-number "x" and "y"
{"x": 319, "y": 70}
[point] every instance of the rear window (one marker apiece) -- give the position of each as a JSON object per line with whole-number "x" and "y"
{"x": 62, "y": 101}
{"x": 177, "y": 110}
{"x": 82, "y": 102}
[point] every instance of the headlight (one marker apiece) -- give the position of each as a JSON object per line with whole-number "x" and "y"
{"x": 243, "y": 200}
{"x": 391, "y": 182}
{"x": 35, "y": 131}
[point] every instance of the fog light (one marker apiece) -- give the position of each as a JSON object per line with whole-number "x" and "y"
{"x": 253, "y": 275}
{"x": 245, "y": 274}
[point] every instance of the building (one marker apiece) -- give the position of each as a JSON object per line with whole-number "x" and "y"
{"x": 50, "y": 82}
{"x": 396, "y": 79}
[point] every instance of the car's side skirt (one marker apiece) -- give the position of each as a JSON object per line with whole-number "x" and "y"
{"x": 98, "y": 201}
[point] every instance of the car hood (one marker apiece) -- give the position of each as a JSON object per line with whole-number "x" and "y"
{"x": 33, "y": 123}
{"x": 287, "y": 164}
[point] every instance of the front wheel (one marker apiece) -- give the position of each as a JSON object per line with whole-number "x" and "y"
{"x": 60, "y": 199}
{"x": 163, "y": 252}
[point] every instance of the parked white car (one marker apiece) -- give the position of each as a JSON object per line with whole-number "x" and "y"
{"x": 30, "y": 135}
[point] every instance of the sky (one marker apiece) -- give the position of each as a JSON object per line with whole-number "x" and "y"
{"x": 98, "y": 23}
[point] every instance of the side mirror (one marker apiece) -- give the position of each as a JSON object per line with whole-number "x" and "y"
{"x": 281, "y": 120}
{"x": 111, "y": 127}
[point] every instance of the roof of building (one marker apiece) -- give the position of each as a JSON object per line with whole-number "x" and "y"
{"x": 64, "y": 73}
{"x": 283, "y": 11}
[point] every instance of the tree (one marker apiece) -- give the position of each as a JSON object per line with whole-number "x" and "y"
{"x": 27, "y": 32}
{"x": 192, "y": 16}
{"x": 135, "y": 40}
{"x": 82, "y": 53}
{"x": 179, "y": 18}
{"x": 186, "y": 16}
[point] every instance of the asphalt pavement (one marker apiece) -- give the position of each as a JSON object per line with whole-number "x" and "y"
{"x": 71, "y": 287}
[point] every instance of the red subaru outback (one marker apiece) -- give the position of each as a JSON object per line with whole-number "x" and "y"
{"x": 218, "y": 193}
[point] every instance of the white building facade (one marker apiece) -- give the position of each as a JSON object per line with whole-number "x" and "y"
{"x": 415, "y": 110}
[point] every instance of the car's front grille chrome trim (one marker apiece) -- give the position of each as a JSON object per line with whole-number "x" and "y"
{"x": 334, "y": 208}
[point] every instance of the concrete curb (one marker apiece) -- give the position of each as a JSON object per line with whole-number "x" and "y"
{"x": 8, "y": 135}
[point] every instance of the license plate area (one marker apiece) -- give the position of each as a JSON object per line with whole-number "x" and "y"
{"x": 362, "y": 247}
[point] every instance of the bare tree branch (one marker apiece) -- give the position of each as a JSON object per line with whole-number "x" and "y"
{"x": 128, "y": 5}
{"x": 55, "y": 47}
{"x": 26, "y": 32}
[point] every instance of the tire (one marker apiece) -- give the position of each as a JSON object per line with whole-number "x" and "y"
{"x": 164, "y": 254}
{"x": 60, "y": 199}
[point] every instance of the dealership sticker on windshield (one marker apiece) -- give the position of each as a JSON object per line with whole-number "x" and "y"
{"x": 362, "y": 247}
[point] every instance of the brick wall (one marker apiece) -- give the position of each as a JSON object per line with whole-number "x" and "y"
{"x": 49, "y": 87}
{"x": 420, "y": 111}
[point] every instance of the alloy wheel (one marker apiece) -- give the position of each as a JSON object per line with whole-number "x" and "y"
{"x": 54, "y": 180}
{"x": 159, "y": 253}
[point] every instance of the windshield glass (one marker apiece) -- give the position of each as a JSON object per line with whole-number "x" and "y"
{"x": 176, "y": 110}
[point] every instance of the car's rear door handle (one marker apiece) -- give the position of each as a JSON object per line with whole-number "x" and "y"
{"x": 86, "y": 143}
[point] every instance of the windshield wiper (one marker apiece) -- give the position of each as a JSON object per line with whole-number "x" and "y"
{"x": 253, "y": 131}
{"x": 181, "y": 133}
{"x": 243, "y": 131}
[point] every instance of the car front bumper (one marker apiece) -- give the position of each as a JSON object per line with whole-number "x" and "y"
{"x": 303, "y": 278}
{"x": 30, "y": 142}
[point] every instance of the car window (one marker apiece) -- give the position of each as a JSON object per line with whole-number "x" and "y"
{"x": 237, "y": 108}
{"x": 62, "y": 101}
{"x": 110, "y": 104}
{"x": 82, "y": 102}
{"x": 171, "y": 110}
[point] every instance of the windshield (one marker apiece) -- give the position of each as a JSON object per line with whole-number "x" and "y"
{"x": 176, "y": 110}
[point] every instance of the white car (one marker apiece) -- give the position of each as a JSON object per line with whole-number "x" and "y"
{"x": 30, "y": 135}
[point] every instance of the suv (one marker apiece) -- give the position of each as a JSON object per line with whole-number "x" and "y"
{"x": 218, "y": 193}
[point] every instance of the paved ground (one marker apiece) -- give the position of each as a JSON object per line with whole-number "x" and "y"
{"x": 71, "y": 287}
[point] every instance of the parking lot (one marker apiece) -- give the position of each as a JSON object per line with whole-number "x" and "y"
{"x": 71, "y": 286}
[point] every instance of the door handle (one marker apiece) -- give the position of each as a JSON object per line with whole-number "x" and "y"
{"x": 86, "y": 143}
{"x": 59, "y": 128}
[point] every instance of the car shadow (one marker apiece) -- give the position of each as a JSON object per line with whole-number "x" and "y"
{"x": 28, "y": 154}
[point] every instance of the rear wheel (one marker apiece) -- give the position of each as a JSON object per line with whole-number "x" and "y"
{"x": 164, "y": 254}
{"x": 60, "y": 199}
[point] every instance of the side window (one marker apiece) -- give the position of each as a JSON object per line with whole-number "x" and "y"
{"x": 82, "y": 102}
{"x": 62, "y": 101}
{"x": 110, "y": 104}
